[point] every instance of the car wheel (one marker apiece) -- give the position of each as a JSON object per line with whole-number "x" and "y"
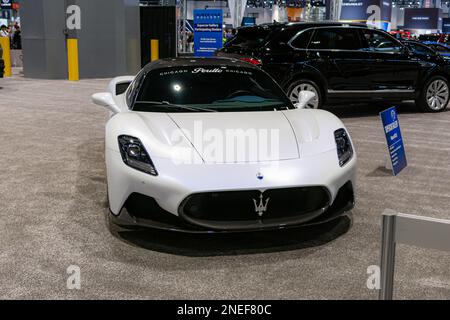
{"x": 435, "y": 95}
{"x": 305, "y": 85}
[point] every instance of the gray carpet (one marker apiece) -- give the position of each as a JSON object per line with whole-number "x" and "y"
{"x": 53, "y": 202}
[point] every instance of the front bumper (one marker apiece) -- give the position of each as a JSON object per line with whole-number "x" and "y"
{"x": 139, "y": 199}
{"x": 144, "y": 211}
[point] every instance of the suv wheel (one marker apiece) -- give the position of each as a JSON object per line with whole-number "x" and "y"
{"x": 305, "y": 85}
{"x": 435, "y": 95}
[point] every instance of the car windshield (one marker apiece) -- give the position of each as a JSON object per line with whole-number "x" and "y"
{"x": 209, "y": 89}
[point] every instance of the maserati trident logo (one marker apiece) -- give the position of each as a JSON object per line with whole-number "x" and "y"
{"x": 261, "y": 207}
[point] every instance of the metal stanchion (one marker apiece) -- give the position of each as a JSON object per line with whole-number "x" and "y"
{"x": 72, "y": 59}
{"x": 154, "y": 49}
{"x": 412, "y": 230}
{"x": 387, "y": 264}
{"x": 5, "y": 43}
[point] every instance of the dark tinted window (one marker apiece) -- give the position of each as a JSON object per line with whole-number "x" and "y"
{"x": 429, "y": 37}
{"x": 302, "y": 40}
{"x": 282, "y": 37}
{"x": 209, "y": 87}
{"x": 381, "y": 42}
{"x": 249, "y": 37}
{"x": 122, "y": 87}
{"x": 335, "y": 38}
{"x": 440, "y": 48}
{"x": 420, "y": 48}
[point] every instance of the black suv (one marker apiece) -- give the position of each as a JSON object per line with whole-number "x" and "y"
{"x": 342, "y": 63}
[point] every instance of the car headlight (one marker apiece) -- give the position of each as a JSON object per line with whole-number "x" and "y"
{"x": 134, "y": 155}
{"x": 344, "y": 146}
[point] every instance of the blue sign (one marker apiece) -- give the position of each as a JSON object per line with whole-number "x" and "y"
{"x": 446, "y": 25}
{"x": 208, "y": 33}
{"x": 391, "y": 128}
{"x": 248, "y": 21}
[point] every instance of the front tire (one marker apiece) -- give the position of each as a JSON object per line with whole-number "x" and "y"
{"x": 434, "y": 96}
{"x": 305, "y": 85}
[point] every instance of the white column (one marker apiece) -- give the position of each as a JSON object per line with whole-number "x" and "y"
{"x": 335, "y": 10}
{"x": 237, "y": 10}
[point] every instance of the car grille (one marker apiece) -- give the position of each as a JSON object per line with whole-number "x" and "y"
{"x": 234, "y": 209}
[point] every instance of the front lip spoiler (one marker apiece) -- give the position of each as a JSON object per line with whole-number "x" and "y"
{"x": 255, "y": 224}
{"x": 125, "y": 220}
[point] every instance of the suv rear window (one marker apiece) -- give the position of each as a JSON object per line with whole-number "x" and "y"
{"x": 282, "y": 37}
{"x": 336, "y": 38}
{"x": 249, "y": 37}
{"x": 302, "y": 40}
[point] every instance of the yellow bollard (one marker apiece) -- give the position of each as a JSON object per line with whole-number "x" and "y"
{"x": 4, "y": 42}
{"x": 154, "y": 49}
{"x": 72, "y": 59}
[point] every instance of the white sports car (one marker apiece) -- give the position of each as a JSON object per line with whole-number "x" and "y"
{"x": 214, "y": 145}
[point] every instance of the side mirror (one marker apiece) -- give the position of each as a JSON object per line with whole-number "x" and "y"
{"x": 303, "y": 98}
{"x": 105, "y": 99}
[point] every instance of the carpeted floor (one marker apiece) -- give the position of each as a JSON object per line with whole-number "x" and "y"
{"x": 53, "y": 204}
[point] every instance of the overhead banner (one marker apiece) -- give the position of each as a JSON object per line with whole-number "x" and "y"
{"x": 373, "y": 12}
{"x": 394, "y": 140}
{"x": 208, "y": 33}
{"x": 423, "y": 18}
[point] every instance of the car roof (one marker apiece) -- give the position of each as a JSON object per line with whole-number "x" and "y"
{"x": 197, "y": 62}
{"x": 305, "y": 25}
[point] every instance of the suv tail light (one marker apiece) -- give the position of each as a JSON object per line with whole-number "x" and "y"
{"x": 253, "y": 61}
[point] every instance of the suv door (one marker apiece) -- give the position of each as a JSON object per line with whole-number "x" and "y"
{"x": 393, "y": 70}
{"x": 339, "y": 55}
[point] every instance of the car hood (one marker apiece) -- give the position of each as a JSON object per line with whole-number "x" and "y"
{"x": 228, "y": 137}
{"x": 236, "y": 137}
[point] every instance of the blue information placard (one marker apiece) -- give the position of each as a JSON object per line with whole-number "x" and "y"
{"x": 391, "y": 127}
{"x": 208, "y": 33}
